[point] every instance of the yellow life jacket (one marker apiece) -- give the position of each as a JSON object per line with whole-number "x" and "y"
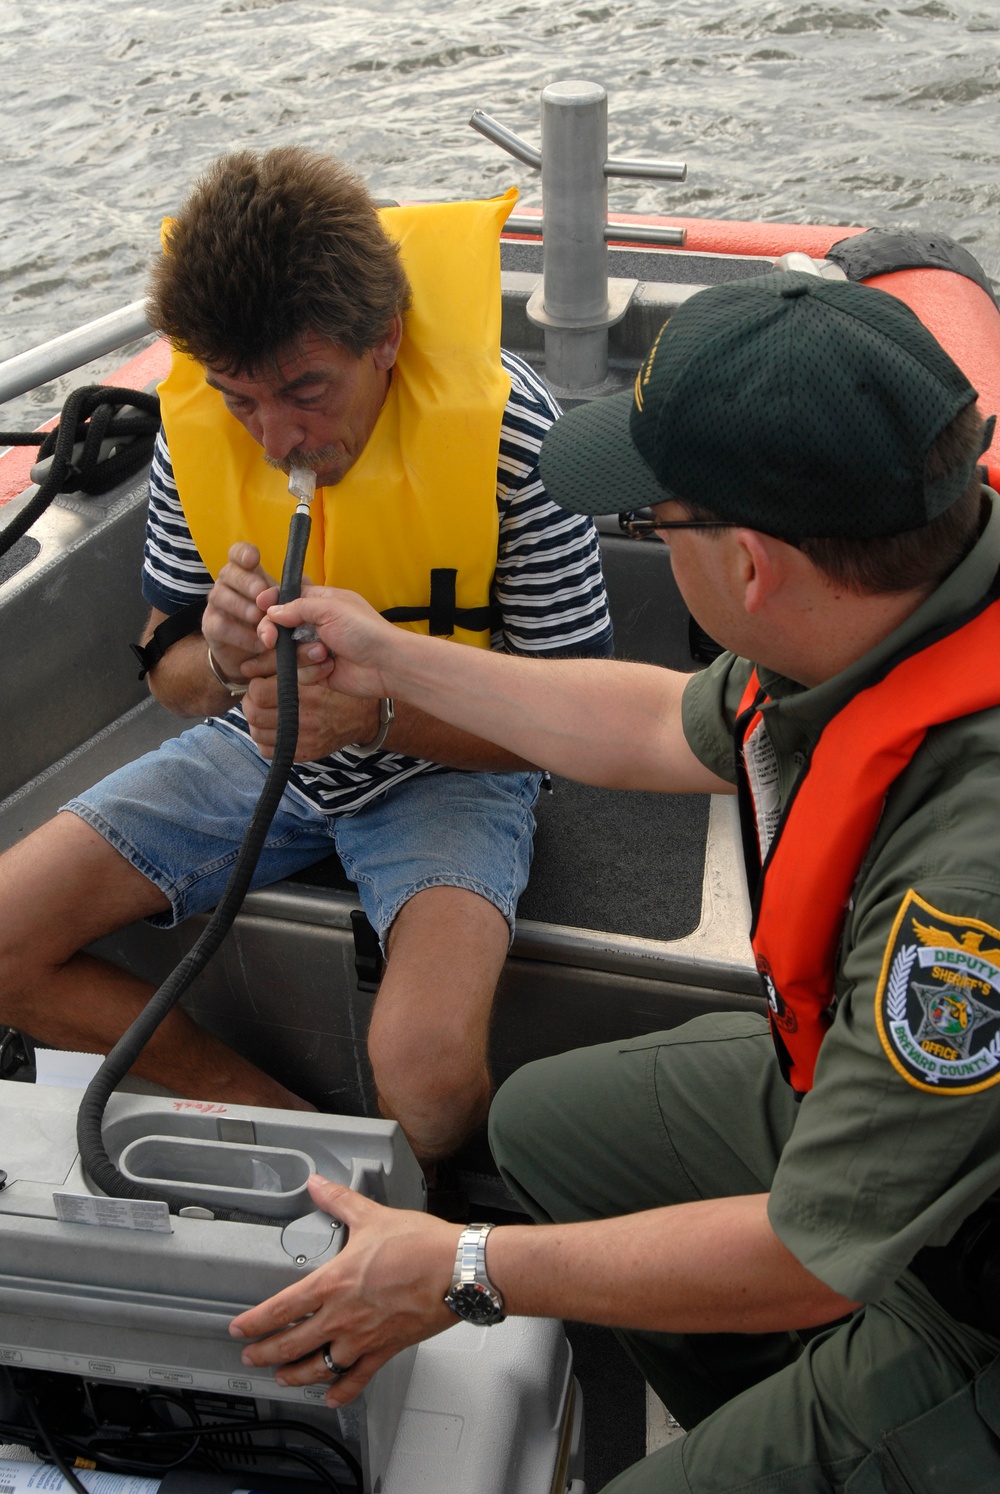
{"x": 413, "y": 524}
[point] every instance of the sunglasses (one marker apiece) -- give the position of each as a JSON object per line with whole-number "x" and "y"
{"x": 635, "y": 526}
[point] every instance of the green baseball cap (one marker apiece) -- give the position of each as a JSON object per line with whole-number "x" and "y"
{"x": 795, "y": 405}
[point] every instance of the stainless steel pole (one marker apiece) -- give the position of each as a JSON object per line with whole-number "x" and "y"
{"x": 576, "y": 302}
{"x": 575, "y": 210}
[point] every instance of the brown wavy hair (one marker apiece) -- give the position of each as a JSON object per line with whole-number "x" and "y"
{"x": 268, "y": 247}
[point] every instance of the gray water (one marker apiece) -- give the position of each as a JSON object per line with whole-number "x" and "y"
{"x": 839, "y": 111}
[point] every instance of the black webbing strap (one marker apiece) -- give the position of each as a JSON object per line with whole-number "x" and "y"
{"x": 442, "y": 615}
{"x": 368, "y": 961}
{"x": 170, "y": 631}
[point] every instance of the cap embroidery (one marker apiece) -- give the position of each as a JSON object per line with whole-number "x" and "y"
{"x": 645, "y": 373}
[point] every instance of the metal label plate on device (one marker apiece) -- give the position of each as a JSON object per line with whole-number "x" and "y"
{"x": 114, "y": 1213}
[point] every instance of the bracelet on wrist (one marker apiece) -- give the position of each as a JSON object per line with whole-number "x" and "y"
{"x": 386, "y": 716}
{"x": 236, "y": 689}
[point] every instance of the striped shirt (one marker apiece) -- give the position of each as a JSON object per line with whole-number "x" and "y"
{"x": 548, "y": 583}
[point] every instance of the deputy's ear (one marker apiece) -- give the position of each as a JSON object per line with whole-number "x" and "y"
{"x": 385, "y": 352}
{"x": 761, "y": 566}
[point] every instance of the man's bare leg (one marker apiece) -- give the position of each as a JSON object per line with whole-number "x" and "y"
{"x": 430, "y": 1025}
{"x": 61, "y": 888}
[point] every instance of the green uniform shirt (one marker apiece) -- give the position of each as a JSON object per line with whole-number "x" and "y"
{"x": 880, "y": 1163}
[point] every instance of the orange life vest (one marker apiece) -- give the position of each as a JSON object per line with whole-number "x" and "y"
{"x": 803, "y": 862}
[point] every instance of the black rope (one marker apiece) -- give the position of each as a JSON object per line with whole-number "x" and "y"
{"x": 91, "y": 415}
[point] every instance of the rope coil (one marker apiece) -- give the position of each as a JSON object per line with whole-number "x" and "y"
{"x": 91, "y": 418}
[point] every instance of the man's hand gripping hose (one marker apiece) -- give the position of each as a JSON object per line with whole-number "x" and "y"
{"x": 96, "y": 1162}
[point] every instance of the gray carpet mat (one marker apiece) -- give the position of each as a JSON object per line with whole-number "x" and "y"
{"x": 618, "y": 861}
{"x": 679, "y": 268}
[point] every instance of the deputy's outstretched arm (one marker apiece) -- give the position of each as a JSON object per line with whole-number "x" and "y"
{"x": 596, "y": 720}
{"x": 712, "y": 1266}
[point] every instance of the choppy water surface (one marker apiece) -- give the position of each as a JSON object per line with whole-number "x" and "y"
{"x": 842, "y": 111}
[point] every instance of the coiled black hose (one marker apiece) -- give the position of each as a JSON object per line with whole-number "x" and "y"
{"x": 97, "y": 1164}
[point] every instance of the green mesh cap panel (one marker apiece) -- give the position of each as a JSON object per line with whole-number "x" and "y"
{"x": 589, "y": 465}
{"x": 795, "y": 405}
{"x": 801, "y": 407}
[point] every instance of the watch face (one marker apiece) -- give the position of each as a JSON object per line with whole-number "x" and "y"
{"x": 476, "y": 1304}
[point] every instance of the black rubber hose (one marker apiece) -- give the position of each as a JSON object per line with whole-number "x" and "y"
{"x": 96, "y": 1162}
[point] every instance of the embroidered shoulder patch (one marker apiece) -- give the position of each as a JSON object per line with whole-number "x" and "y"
{"x": 938, "y": 1000}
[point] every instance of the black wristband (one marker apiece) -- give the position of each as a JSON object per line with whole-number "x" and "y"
{"x": 170, "y": 631}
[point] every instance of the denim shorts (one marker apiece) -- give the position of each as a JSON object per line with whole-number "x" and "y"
{"x": 178, "y": 816}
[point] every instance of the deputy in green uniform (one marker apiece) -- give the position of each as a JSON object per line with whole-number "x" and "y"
{"x": 792, "y": 1221}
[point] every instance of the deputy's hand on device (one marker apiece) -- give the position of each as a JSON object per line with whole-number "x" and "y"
{"x": 384, "y": 1291}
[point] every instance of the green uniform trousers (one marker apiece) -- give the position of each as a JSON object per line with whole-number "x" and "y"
{"x": 898, "y": 1399}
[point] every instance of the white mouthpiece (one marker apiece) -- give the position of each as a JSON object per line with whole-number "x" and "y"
{"x": 302, "y": 484}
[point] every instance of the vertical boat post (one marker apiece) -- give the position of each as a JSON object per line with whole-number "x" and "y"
{"x": 577, "y": 302}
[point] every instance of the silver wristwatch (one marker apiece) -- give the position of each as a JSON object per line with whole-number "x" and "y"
{"x": 472, "y": 1295}
{"x": 386, "y": 716}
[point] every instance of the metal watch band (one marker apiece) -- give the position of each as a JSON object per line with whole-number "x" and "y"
{"x": 386, "y": 716}
{"x": 235, "y": 690}
{"x": 470, "y": 1257}
{"x": 472, "y": 1295}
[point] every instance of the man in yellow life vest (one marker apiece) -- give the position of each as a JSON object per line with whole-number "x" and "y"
{"x": 310, "y": 329}
{"x": 795, "y": 1225}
